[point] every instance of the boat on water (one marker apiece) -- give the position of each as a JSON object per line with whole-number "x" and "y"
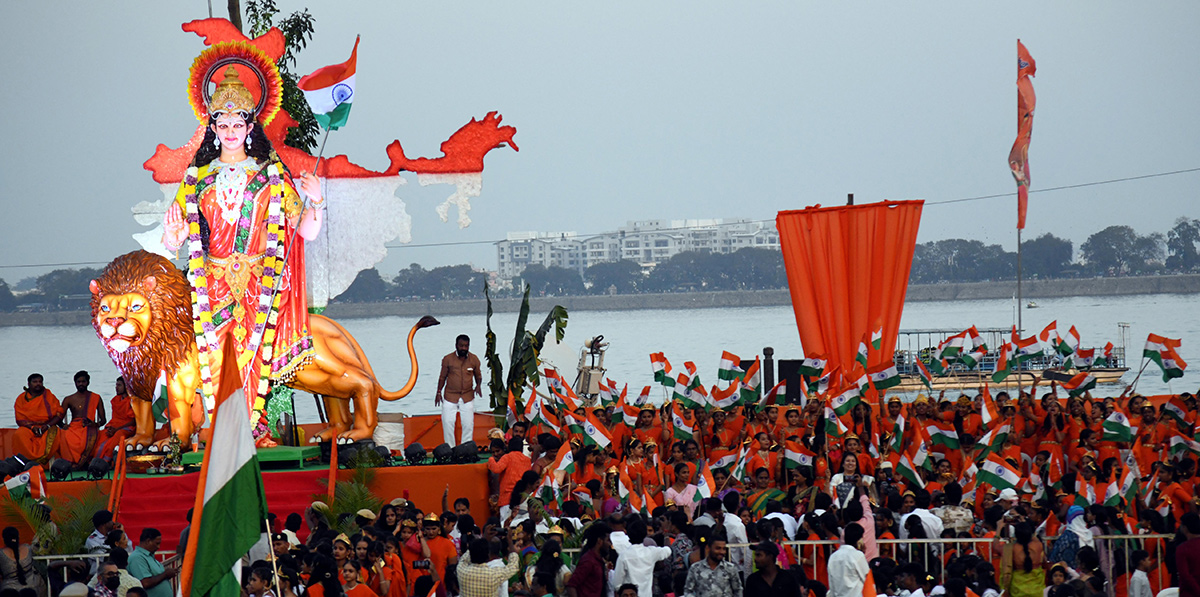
{"x": 914, "y": 345}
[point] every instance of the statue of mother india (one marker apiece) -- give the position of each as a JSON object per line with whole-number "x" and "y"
{"x": 243, "y": 218}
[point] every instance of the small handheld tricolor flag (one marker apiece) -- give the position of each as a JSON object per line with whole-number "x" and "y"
{"x": 329, "y": 91}
{"x": 729, "y": 368}
{"x": 1079, "y": 383}
{"x": 998, "y": 474}
{"x": 777, "y": 395}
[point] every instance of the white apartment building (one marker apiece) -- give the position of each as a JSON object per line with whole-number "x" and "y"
{"x": 646, "y": 242}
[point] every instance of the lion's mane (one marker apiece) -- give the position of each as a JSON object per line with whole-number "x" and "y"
{"x": 170, "y": 335}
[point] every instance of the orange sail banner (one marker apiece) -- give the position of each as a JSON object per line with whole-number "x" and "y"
{"x": 847, "y": 270}
{"x": 1018, "y": 156}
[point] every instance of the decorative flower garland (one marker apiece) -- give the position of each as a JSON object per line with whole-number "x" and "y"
{"x": 265, "y": 316}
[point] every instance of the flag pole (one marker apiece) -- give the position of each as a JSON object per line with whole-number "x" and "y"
{"x": 1133, "y": 385}
{"x": 274, "y": 559}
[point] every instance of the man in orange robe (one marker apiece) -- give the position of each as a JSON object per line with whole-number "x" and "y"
{"x": 77, "y": 443}
{"x": 122, "y": 424}
{"x": 38, "y": 414}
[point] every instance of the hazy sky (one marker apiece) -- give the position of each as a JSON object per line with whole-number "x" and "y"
{"x": 636, "y": 110}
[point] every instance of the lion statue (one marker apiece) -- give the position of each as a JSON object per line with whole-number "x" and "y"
{"x": 142, "y": 312}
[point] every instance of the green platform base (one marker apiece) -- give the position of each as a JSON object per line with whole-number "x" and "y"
{"x": 285, "y": 454}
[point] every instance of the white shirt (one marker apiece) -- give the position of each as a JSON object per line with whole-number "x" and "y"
{"x": 635, "y": 564}
{"x": 789, "y": 523}
{"x": 735, "y": 532}
{"x": 502, "y": 590}
{"x": 848, "y": 570}
{"x": 933, "y": 527}
{"x": 1139, "y": 585}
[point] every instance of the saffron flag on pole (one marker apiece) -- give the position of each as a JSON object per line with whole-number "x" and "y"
{"x": 329, "y": 91}
{"x": 1018, "y": 156}
{"x": 234, "y": 504}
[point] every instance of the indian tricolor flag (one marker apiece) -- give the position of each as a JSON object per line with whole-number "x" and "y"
{"x": 1161, "y": 350}
{"x": 989, "y": 412}
{"x": 795, "y": 455}
{"x": 950, "y": 347}
{"x": 1084, "y": 358}
{"x": 1027, "y": 348}
{"x": 594, "y": 432}
{"x": 705, "y": 485}
{"x": 661, "y": 368}
{"x": 1176, "y": 409}
{"x": 877, "y": 338}
{"x": 926, "y": 377}
{"x": 1117, "y": 428}
{"x": 861, "y": 356}
{"x": 330, "y": 91}
{"x": 725, "y": 398}
{"x": 998, "y": 473}
{"x": 908, "y": 469}
{"x": 844, "y": 401}
{"x": 682, "y": 422}
{"x": 942, "y": 434}
{"x": 977, "y": 341}
{"x": 730, "y": 367}
{"x": 777, "y": 395}
{"x": 231, "y": 505}
{"x": 812, "y": 366}
{"x": 1003, "y": 365}
{"x": 884, "y": 376}
{"x": 1079, "y": 383}
{"x": 751, "y": 384}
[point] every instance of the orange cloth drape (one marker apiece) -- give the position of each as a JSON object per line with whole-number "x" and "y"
{"x": 847, "y": 270}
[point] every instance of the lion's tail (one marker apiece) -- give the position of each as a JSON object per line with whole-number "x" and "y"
{"x": 424, "y": 322}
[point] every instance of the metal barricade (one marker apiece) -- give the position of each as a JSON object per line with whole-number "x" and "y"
{"x": 163, "y": 556}
{"x": 1106, "y": 546}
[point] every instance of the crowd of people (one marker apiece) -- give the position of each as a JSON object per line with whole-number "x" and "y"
{"x": 1096, "y": 497}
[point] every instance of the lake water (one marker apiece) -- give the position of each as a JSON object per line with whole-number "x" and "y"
{"x": 686, "y": 334}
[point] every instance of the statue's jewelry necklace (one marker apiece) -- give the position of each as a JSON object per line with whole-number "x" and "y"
{"x": 230, "y": 185}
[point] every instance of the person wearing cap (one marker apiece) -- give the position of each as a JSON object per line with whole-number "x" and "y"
{"x": 279, "y": 545}
{"x": 770, "y": 581}
{"x": 364, "y": 518}
{"x": 460, "y": 377}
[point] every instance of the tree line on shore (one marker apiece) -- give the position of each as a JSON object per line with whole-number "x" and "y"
{"x": 1113, "y": 251}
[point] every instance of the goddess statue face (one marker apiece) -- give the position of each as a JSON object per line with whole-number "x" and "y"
{"x": 232, "y": 131}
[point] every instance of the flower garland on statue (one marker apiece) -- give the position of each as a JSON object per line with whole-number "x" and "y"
{"x": 265, "y": 316}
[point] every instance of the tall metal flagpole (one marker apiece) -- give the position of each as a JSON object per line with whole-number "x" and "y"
{"x": 1020, "y": 305}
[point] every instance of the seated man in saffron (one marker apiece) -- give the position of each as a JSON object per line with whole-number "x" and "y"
{"x": 122, "y": 424}
{"x": 38, "y": 414}
{"x": 78, "y": 440}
